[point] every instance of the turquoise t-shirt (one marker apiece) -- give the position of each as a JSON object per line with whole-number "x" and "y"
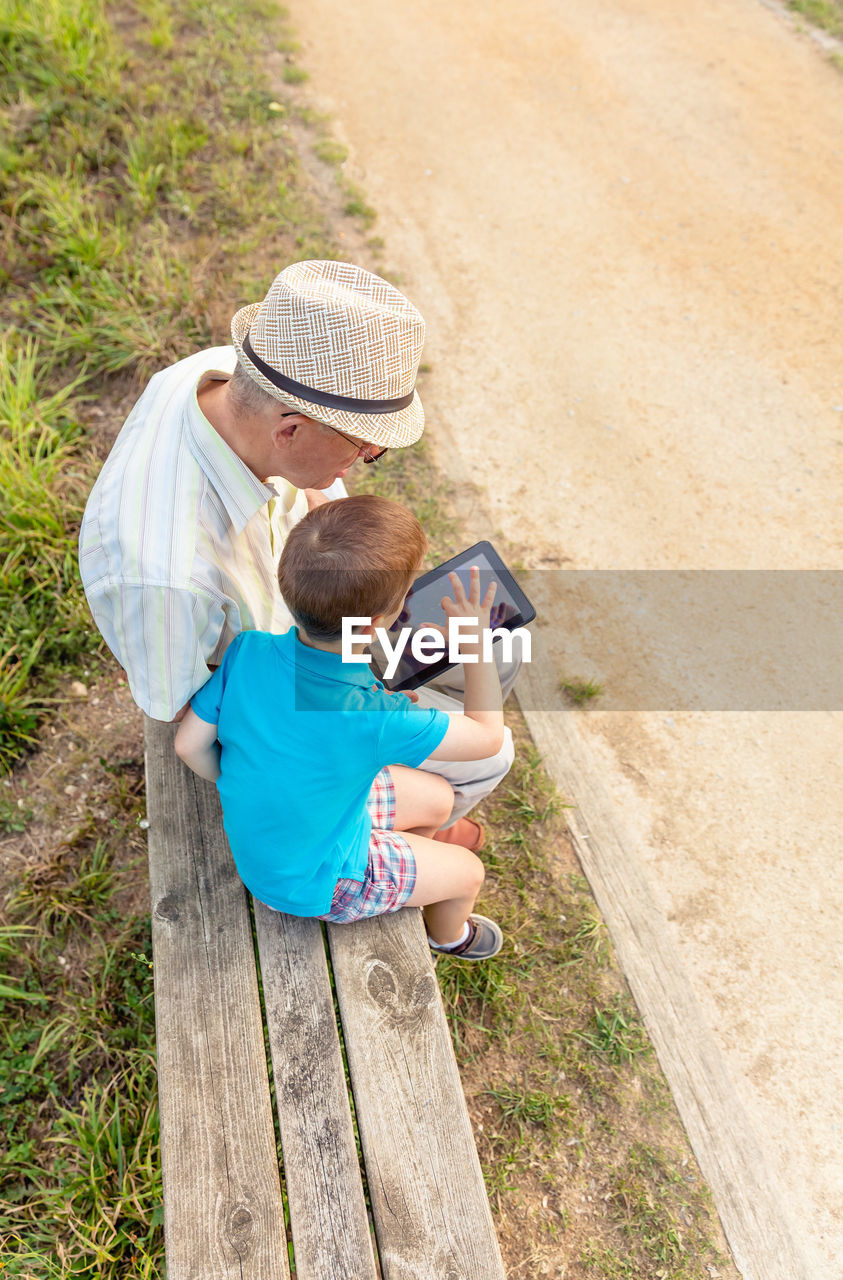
{"x": 302, "y": 736}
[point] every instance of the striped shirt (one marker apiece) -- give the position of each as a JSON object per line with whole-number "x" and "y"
{"x": 180, "y": 541}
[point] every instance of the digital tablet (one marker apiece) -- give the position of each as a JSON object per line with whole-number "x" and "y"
{"x": 510, "y": 608}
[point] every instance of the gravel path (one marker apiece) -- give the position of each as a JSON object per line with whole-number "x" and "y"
{"x": 622, "y": 221}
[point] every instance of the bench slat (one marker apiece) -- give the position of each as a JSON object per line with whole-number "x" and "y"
{"x": 429, "y": 1201}
{"x": 331, "y": 1236}
{"x": 223, "y": 1214}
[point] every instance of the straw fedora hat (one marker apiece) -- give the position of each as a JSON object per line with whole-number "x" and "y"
{"x": 341, "y": 345}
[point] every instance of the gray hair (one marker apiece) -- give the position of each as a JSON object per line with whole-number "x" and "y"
{"x": 247, "y": 395}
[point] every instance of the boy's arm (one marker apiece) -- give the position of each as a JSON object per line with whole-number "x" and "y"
{"x": 196, "y": 744}
{"x": 478, "y": 733}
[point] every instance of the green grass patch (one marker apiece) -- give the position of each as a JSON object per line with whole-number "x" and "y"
{"x": 79, "y": 1157}
{"x": 145, "y": 199}
{"x": 356, "y": 205}
{"x": 580, "y": 690}
{"x": 331, "y": 151}
{"x": 827, "y": 14}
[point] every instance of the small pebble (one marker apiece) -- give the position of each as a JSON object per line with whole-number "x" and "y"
{"x": 78, "y": 689}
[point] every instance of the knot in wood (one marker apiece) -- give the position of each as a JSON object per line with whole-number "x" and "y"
{"x": 167, "y": 908}
{"x": 402, "y": 1000}
{"x": 240, "y": 1228}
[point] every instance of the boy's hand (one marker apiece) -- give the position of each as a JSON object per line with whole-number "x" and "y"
{"x": 469, "y": 606}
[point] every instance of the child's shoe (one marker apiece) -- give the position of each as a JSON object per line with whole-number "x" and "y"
{"x": 484, "y": 941}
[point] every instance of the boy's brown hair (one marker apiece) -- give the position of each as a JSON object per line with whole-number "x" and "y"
{"x": 354, "y": 557}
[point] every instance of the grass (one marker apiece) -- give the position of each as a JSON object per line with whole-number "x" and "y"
{"x": 827, "y": 14}
{"x": 331, "y": 151}
{"x": 356, "y": 205}
{"x": 79, "y": 1160}
{"x": 617, "y": 1033}
{"x": 580, "y": 690}
{"x": 143, "y": 200}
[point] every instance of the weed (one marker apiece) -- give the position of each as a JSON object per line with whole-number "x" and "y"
{"x": 591, "y": 936}
{"x": 331, "y": 151}
{"x": 294, "y": 75}
{"x": 10, "y": 938}
{"x": 158, "y": 33}
{"x": 68, "y": 887}
{"x": 617, "y": 1033}
{"x": 355, "y": 205}
{"x": 529, "y": 1106}
{"x": 14, "y": 816}
{"x": 580, "y": 690}
{"x": 18, "y": 707}
{"x": 827, "y": 14}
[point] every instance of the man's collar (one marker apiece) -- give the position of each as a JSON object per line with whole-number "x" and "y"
{"x": 241, "y": 492}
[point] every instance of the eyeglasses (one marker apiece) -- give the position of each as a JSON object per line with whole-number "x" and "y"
{"x": 367, "y": 457}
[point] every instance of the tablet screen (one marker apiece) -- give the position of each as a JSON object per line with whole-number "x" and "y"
{"x": 422, "y": 606}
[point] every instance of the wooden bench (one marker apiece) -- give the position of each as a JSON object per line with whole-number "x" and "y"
{"x": 223, "y": 1190}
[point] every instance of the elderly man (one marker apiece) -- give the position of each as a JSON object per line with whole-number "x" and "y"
{"x": 223, "y": 453}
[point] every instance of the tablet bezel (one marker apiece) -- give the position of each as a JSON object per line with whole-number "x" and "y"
{"x": 462, "y": 560}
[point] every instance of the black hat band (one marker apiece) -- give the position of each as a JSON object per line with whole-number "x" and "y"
{"x": 326, "y": 398}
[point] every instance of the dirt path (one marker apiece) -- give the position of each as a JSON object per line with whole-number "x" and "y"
{"x": 623, "y": 224}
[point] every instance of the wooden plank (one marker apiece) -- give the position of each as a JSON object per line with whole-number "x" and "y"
{"x": 223, "y": 1214}
{"x": 720, "y": 1131}
{"x": 429, "y": 1202}
{"x": 331, "y": 1235}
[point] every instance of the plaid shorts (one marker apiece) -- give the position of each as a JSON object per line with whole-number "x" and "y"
{"x": 391, "y": 874}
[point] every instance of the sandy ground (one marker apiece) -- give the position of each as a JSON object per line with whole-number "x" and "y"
{"x": 623, "y": 222}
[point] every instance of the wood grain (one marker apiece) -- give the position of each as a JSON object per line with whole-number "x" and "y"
{"x": 719, "y": 1129}
{"x": 426, "y": 1187}
{"x": 331, "y": 1235}
{"x": 223, "y": 1215}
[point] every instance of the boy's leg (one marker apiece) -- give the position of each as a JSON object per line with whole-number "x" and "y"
{"x": 423, "y": 801}
{"x": 448, "y": 880}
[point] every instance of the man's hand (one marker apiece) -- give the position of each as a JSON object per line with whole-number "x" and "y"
{"x": 408, "y": 693}
{"x": 315, "y": 498}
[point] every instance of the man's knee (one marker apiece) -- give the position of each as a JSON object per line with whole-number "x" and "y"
{"x": 503, "y": 761}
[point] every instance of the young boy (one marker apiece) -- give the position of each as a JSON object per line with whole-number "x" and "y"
{"x": 324, "y": 809}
